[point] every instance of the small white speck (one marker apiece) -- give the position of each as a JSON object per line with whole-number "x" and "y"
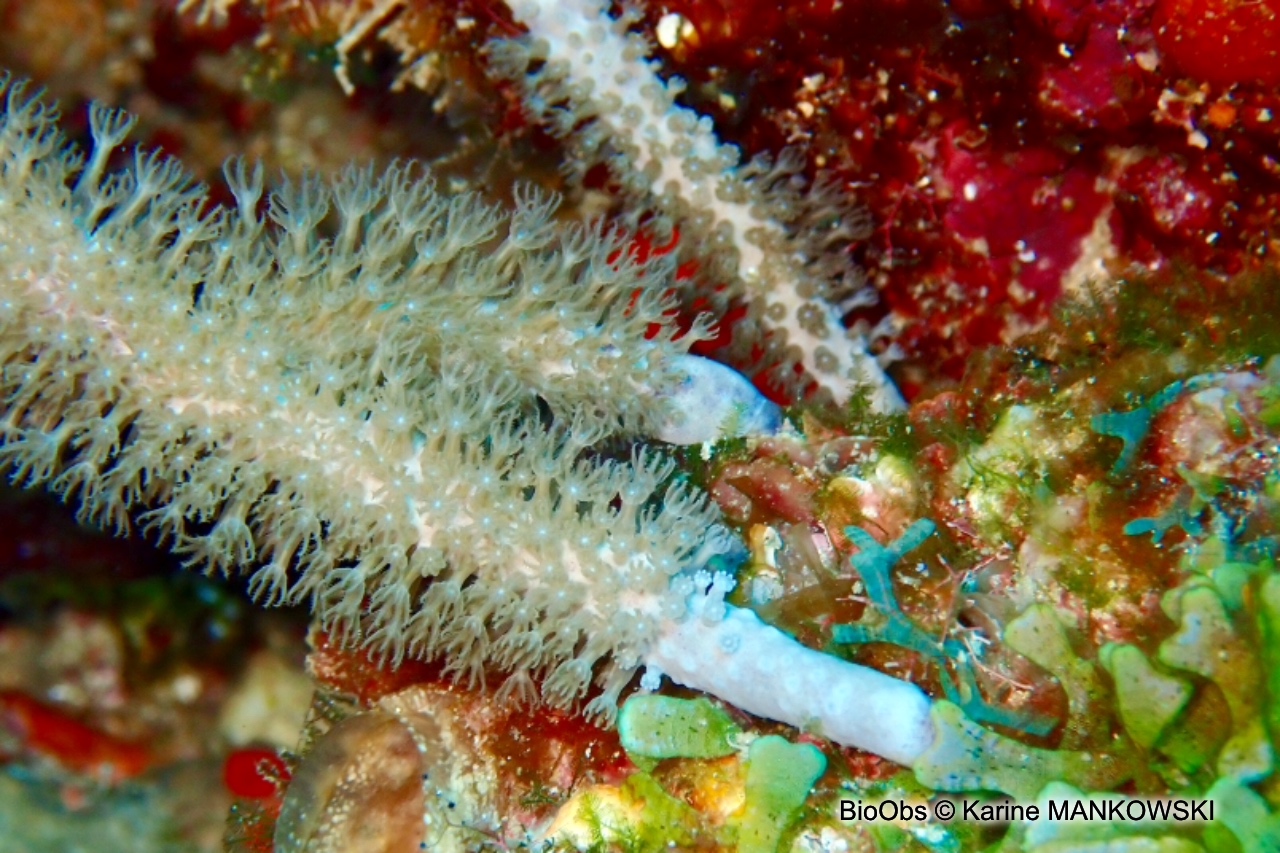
{"x": 668, "y": 29}
{"x": 186, "y": 688}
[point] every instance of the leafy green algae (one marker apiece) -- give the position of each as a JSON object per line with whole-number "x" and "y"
{"x": 1148, "y": 700}
{"x": 780, "y": 775}
{"x": 666, "y": 727}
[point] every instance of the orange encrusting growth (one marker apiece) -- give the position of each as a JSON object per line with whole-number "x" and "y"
{"x": 54, "y": 734}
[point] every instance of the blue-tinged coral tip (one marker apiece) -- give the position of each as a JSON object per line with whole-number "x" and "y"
{"x": 712, "y": 402}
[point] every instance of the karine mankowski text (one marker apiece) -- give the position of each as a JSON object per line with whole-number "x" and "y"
{"x": 1114, "y": 810}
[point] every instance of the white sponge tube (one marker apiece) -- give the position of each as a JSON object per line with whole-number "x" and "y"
{"x": 761, "y": 670}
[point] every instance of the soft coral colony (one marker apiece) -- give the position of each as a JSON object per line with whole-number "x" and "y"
{"x": 402, "y": 406}
{"x": 279, "y": 402}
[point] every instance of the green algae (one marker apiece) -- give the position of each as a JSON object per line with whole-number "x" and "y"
{"x": 668, "y": 822}
{"x": 1131, "y": 427}
{"x": 967, "y": 757}
{"x": 659, "y": 727}
{"x": 1039, "y": 635}
{"x": 1248, "y": 817}
{"x": 1148, "y": 700}
{"x": 780, "y": 775}
{"x": 1207, "y": 643}
{"x": 1060, "y": 836}
{"x": 1269, "y": 623}
{"x": 875, "y": 563}
{"x": 887, "y": 623}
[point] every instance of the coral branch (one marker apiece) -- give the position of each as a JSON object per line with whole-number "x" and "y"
{"x": 761, "y": 670}
{"x": 780, "y": 246}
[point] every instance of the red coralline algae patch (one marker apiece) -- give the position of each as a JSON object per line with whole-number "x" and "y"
{"x": 1103, "y": 78}
{"x": 1174, "y": 202}
{"x": 1009, "y": 152}
{"x": 1222, "y": 41}
{"x": 1016, "y": 223}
